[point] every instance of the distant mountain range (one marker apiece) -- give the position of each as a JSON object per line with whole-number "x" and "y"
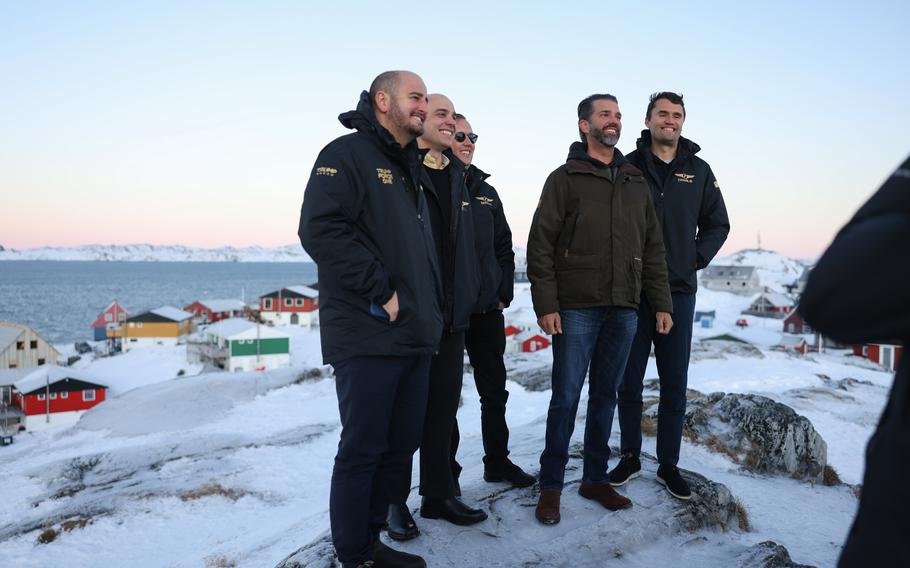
{"x": 159, "y": 253}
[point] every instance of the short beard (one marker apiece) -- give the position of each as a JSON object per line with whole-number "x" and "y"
{"x": 399, "y": 119}
{"x": 607, "y": 140}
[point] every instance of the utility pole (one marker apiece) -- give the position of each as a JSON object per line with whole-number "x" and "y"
{"x": 47, "y": 397}
{"x": 759, "y": 239}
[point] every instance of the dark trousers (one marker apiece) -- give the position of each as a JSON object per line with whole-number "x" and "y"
{"x": 382, "y": 402}
{"x": 672, "y": 354}
{"x": 446, "y": 372}
{"x": 485, "y": 342}
{"x": 598, "y": 338}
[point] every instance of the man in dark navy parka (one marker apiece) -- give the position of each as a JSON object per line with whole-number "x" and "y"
{"x": 859, "y": 292}
{"x": 364, "y": 221}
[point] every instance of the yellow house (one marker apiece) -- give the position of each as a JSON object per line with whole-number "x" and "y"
{"x": 162, "y": 326}
{"x": 22, "y": 348}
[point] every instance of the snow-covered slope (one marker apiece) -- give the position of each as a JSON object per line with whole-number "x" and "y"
{"x": 160, "y": 253}
{"x": 774, "y": 269}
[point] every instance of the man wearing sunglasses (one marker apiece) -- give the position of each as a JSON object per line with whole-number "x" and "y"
{"x": 485, "y": 338}
{"x": 594, "y": 246}
{"x": 689, "y": 204}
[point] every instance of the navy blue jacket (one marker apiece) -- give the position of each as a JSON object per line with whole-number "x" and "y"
{"x": 690, "y": 209}
{"x": 364, "y": 221}
{"x": 457, "y": 258}
{"x": 493, "y": 243}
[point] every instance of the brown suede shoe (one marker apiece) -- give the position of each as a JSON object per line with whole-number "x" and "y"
{"x": 547, "y": 511}
{"x": 605, "y": 495}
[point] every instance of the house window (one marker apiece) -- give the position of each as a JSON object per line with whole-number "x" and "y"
{"x": 108, "y": 317}
{"x": 33, "y": 344}
{"x": 865, "y": 350}
{"x": 53, "y": 396}
{"x": 88, "y": 395}
{"x": 289, "y": 301}
{"x": 121, "y": 316}
{"x": 12, "y": 365}
{"x": 64, "y": 395}
{"x": 299, "y": 301}
{"x": 40, "y": 397}
{"x": 20, "y": 345}
{"x": 42, "y": 360}
{"x": 139, "y": 324}
{"x": 792, "y": 327}
{"x": 267, "y": 304}
{"x": 132, "y": 324}
{"x": 133, "y": 340}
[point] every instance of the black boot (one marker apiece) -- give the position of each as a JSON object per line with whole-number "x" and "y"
{"x": 451, "y": 510}
{"x": 401, "y": 525}
{"x": 510, "y": 473}
{"x": 385, "y": 557}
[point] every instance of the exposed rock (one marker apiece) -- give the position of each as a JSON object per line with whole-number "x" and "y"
{"x": 767, "y": 554}
{"x": 758, "y": 433}
{"x": 722, "y": 348}
{"x": 535, "y": 379}
{"x": 511, "y": 536}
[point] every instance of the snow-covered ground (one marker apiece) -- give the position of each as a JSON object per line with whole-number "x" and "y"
{"x": 219, "y": 469}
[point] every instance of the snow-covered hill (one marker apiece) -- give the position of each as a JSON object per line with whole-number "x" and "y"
{"x": 774, "y": 269}
{"x": 160, "y": 253}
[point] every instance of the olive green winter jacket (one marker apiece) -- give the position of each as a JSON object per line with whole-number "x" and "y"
{"x": 595, "y": 239}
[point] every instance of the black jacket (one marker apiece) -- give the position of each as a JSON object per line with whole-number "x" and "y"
{"x": 364, "y": 221}
{"x": 690, "y": 209}
{"x": 457, "y": 259}
{"x": 859, "y": 292}
{"x": 493, "y": 243}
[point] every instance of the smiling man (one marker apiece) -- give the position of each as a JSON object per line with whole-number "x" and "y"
{"x": 693, "y": 217}
{"x": 364, "y": 220}
{"x": 593, "y": 248}
{"x": 485, "y": 338}
{"x": 443, "y": 179}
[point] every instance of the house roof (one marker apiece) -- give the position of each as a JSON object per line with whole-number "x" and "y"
{"x": 774, "y": 299}
{"x": 10, "y": 376}
{"x": 223, "y": 305}
{"x": 523, "y": 336}
{"x": 294, "y": 291}
{"x": 791, "y": 340}
{"x": 51, "y": 374}
{"x": 729, "y": 272}
{"x": 237, "y": 328}
{"x": 8, "y": 336}
{"x": 162, "y": 314}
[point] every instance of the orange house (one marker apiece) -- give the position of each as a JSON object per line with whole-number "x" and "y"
{"x": 162, "y": 326}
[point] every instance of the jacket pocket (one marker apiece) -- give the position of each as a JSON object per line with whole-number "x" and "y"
{"x": 578, "y": 279}
{"x": 635, "y": 268}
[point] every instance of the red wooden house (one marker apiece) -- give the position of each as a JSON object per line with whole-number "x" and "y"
{"x": 52, "y": 395}
{"x": 888, "y": 355}
{"x": 794, "y": 323}
{"x": 211, "y": 311}
{"x": 293, "y": 305}
{"x": 512, "y": 330}
{"x": 112, "y": 316}
{"x": 526, "y": 342}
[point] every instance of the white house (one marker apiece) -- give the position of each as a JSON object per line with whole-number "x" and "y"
{"x": 240, "y": 345}
{"x": 292, "y": 305}
{"x": 736, "y": 279}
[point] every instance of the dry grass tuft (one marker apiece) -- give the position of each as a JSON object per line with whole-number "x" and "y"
{"x": 830, "y": 477}
{"x": 219, "y": 561}
{"x": 742, "y": 515}
{"x": 648, "y": 426}
{"x": 210, "y": 490}
{"x": 48, "y": 535}
{"x": 73, "y": 524}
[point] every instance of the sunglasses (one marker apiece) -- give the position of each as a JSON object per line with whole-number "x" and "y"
{"x": 460, "y": 136}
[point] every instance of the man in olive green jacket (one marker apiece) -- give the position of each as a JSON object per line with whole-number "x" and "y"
{"x": 595, "y": 244}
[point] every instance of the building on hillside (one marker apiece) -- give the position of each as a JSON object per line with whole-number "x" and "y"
{"x": 794, "y": 323}
{"x": 22, "y": 348}
{"x": 512, "y": 330}
{"x": 293, "y": 305}
{"x": 521, "y": 271}
{"x": 770, "y": 305}
{"x": 794, "y": 343}
{"x": 112, "y": 317}
{"x": 212, "y": 311}
{"x": 741, "y": 280}
{"x": 526, "y": 342}
{"x": 162, "y": 326}
{"x": 888, "y": 354}
{"x": 50, "y": 396}
{"x": 241, "y": 345}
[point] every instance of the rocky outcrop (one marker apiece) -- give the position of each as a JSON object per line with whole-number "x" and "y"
{"x": 767, "y": 554}
{"x": 762, "y": 435}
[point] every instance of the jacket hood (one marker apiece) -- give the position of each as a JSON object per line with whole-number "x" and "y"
{"x": 476, "y": 177}
{"x": 579, "y": 151}
{"x": 363, "y": 119}
{"x": 685, "y": 149}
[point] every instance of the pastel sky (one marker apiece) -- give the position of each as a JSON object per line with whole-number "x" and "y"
{"x": 197, "y": 123}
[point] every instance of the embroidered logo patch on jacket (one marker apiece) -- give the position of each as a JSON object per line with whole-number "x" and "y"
{"x": 384, "y": 175}
{"x": 488, "y": 201}
{"x": 687, "y": 178}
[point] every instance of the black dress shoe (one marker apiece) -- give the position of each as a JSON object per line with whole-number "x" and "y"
{"x": 385, "y": 557}
{"x": 401, "y": 525}
{"x": 451, "y": 510}
{"x": 511, "y": 473}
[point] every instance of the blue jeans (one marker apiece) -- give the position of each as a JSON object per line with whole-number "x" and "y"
{"x": 599, "y": 338}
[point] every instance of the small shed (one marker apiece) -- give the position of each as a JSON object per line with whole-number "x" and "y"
{"x": 110, "y": 318}
{"x": 794, "y": 343}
